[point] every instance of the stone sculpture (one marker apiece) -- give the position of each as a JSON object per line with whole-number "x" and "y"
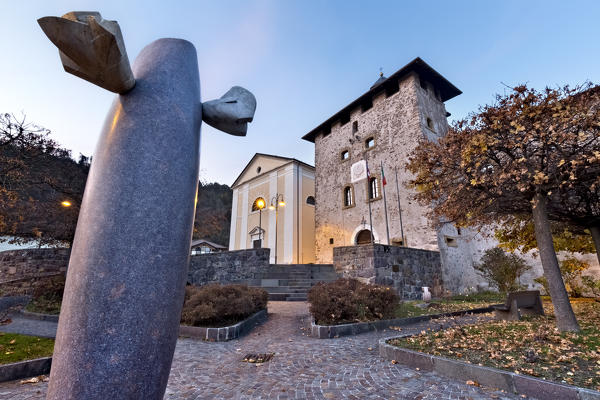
{"x": 125, "y": 283}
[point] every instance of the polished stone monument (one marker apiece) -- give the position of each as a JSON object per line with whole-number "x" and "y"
{"x": 125, "y": 283}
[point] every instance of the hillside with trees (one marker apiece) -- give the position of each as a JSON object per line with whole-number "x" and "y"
{"x": 41, "y": 189}
{"x": 213, "y": 213}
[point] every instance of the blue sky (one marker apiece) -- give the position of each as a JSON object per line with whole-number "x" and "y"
{"x": 303, "y": 60}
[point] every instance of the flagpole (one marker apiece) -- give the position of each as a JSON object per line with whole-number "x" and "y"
{"x": 399, "y": 208}
{"x": 369, "y": 197}
{"x": 387, "y": 227}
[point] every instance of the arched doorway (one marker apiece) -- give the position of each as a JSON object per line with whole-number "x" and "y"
{"x": 363, "y": 237}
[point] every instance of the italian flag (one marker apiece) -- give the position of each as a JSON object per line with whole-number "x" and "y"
{"x": 383, "y": 181}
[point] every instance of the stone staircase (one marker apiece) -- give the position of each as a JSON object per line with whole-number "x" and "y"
{"x": 291, "y": 282}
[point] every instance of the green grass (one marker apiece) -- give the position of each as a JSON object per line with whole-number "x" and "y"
{"x": 15, "y": 347}
{"x": 408, "y": 309}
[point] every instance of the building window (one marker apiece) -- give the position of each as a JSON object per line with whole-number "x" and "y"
{"x": 451, "y": 242}
{"x": 355, "y": 127}
{"x": 370, "y": 142}
{"x": 330, "y": 240}
{"x": 348, "y": 196}
{"x": 258, "y": 204}
{"x": 430, "y": 123}
{"x": 345, "y": 155}
{"x": 373, "y": 188}
{"x": 258, "y": 169}
{"x": 310, "y": 200}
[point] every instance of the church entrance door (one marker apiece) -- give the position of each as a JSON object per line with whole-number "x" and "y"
{"x": 363, "y": 237}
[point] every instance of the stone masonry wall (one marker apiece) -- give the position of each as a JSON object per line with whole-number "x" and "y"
{"x": 227, "y": 266}
{"x": 397, "y": 122}
{"x": 407, "y": 270}
{"x": 29, "y": 263}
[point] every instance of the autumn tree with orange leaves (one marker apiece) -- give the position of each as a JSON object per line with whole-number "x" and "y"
{"x": 522, "y": 156}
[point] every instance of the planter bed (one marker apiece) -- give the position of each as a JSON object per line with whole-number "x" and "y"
{"x": 333, "y": 331}
{"x": 25, "y": 369}
{"x": 225, "y": 333}
{"x": 491, "y": 377}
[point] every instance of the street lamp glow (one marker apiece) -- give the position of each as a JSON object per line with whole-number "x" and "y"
{"x": 260, "y": 204}
{"x": 282, "y": 203}
{"x": 66, "y": 203}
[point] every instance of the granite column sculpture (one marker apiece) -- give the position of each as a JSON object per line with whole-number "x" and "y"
{"x": 125, "y": 284}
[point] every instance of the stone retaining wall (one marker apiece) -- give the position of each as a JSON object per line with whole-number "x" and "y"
{"x": 227, "y": 266}
{"x": 29, "y": 263}
{"x": 406, "y": 269}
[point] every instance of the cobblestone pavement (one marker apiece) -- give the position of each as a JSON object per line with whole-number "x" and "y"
{"x": 302, "y": 368}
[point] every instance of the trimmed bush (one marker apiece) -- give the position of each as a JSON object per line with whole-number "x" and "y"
{"x": 221, "y": 305}
{"x": 349, "y": 300}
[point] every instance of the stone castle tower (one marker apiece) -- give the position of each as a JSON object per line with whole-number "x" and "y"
{"x": 383, "y": 125}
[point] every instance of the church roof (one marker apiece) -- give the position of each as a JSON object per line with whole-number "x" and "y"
{"x": 285, "y": 161}
{"x": 447, "y": 91}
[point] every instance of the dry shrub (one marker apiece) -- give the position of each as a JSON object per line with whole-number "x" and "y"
{"x": 47, "y": 294}
{"x": 349, "y": 300}
{"x": 221, "y": 305}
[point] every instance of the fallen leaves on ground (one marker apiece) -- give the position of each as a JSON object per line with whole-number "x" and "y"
{"x": 532, "y": 346}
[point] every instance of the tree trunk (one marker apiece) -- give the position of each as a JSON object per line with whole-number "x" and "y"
{"x": 565, "y": 317}
{"x": 595, "y": 230}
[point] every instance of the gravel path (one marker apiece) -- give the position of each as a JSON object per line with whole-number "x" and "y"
{"x": 302, "y": 368}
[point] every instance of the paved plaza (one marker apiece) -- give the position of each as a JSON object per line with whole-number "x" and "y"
{"x": 302, "y": 368}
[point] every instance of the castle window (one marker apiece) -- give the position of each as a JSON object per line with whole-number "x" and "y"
{"x": 430, "y": 123}
{"x": 355, "y": 127}
{"x": 373, "y": 188}
{"x": 392, "y": 89}
{"x": 370, "y": 142}
{"x": 458, "y": 231}
{"x": 258, "y": 204}
{"x": 367, "y": 105}
{"x": 310, "y": 200}
{"x": 345, "y": 155}
{"x": 451, "y": 242}
{"x": 348, "y": 196}
{"x": 344, "y": 119}
{"x": 330, "y": 240}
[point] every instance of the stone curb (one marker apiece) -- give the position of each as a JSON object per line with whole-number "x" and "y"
{"x": 333, "y": 331}
{"x": 225, "y": 333}
{"x": 39, "y": 316}
{"x": 491, "y": 377}
{"x": 25, "y": 369}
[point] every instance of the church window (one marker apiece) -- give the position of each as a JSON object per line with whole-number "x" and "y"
{"x": 373, "y": 188}
{"x": 348, "y": 196}
{"x": 258, "y": 204}
{"x": 345, "y": 155}
{"x": 355, "y": 127}
{"x": 310, "y": 200}
{"x": 370, "y": 142}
